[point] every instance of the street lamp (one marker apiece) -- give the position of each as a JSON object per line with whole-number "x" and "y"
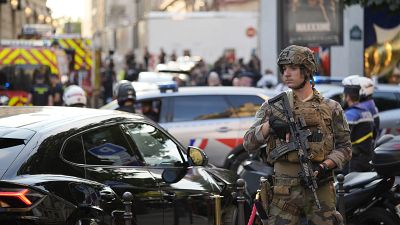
{"x": 28, "y": 11}
{"x": 15, "y": 4}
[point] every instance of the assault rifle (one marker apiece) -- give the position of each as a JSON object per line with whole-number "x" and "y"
{"x": 298, "y": 141}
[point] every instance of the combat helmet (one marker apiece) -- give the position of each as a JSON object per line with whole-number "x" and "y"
{"x": 298, "y": 55}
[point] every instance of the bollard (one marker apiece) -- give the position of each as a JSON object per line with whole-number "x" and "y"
{"x": 217, "y": 201}
{"x": 127, "y": 198}
{"x": 240, "y": 183}
{"x": 341, "y": 203}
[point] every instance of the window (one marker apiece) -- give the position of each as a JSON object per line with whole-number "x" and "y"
{"x": 245, "y": 105}
{"x": 9, "y": 150}
{"x": 385, "y": 100}
{"x": 150, "y": 108}
{"x": 73, "y": 150}
{"x": 188, "y": 108}
{"x": 155, "y": 147}
{"x": 108, "y": 146}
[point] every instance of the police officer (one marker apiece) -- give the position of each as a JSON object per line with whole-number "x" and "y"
{"x": 361, "y": 125}
{"x": 126, "y": 97}
{"x": 367, "y": 90}
{"x": 329, "y": 143}
{"x": 74, "y": 96}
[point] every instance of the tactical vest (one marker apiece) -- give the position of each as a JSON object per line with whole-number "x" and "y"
{"x": 318, "y": 119}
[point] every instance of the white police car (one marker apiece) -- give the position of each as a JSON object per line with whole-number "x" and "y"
{"x": 212, "y": 118}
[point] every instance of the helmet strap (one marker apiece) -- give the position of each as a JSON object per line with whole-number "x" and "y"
{"x": 303, "y": 73}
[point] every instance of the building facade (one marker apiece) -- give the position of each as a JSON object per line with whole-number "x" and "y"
{"x": 14, "y": 14}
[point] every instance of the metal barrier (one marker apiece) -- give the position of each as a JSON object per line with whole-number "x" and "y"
{"x": 128, "y": 216}
{"x": 239, "y": 194}
{"x": 340, "y": 191}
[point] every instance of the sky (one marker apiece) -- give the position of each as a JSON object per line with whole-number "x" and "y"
{"x": 68, "y": 8}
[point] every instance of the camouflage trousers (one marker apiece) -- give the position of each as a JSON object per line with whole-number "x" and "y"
{"x": 292, "y": 203}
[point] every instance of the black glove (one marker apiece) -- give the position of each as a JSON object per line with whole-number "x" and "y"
{"x": 279, "y": 127}
{"x": 323, "y": 170}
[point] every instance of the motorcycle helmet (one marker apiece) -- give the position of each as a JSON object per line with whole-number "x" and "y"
{"x": 125, "y": 92}
{"x": 116, "y": 86}
{"x": 74, "y": 96}
{"x": 366, "y": 85}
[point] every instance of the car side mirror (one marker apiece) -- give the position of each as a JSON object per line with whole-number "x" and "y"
{"x": 197, "y": 157}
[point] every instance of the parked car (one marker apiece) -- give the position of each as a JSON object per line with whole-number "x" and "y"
{"x": 212, "y": 118}
{"x": 67, "y": 160}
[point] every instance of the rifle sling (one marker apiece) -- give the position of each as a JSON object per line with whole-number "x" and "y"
{"x": 282, "y": 150}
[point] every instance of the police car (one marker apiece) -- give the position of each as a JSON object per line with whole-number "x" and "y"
{"x": 212, "y": 118}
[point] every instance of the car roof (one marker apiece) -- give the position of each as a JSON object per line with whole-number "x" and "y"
{"x": 206, "y": 90}
{"x": 331, "y": 89}
{"x": 35, "y": 117}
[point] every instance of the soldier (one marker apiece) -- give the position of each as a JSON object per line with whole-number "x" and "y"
{"x": 329, "y": 143}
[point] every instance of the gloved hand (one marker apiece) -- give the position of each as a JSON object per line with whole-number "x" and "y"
{"x": 279, "y": 127}
{"x": 321, "y": 170}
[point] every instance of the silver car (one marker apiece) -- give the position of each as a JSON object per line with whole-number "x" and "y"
{"x": 212, "y": 118}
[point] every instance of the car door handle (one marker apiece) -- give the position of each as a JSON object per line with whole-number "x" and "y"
{"x": 223, "y": 129}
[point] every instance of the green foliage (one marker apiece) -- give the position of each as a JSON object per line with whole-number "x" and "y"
{"x": 393, "y": 5}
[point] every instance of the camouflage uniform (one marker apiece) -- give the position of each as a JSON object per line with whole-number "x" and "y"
{"x": 291, "y": 201}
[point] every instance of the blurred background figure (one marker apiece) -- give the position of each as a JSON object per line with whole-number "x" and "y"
{"x": 148, "y": 110}
{"x": 74, "y": 96}
{"x": 108, "y": 79}
{"x": 394, "y": 78}
{"x": 162, "y": 56}
{"x": 40, "y": 93}
{"x": 268, "y": 80}
{"x": 146, "y": 58}
{"x": 213, "y": 79}
{"x": 245, "y": 79}
{"x": 126, "y": 96}
{"x": 56, "y": 89}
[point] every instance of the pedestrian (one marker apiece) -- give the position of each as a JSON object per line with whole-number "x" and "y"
{"x": 329, "y": 144}
{"x": 268, "y": 80}
{"x": 40, "y": 93}
{"x": 74, "y": 96}
{"x": 126, "y": 96}
{"x": 162, "y": 56}
{"x": 361, "y": 125}
{"x": 213, "y": 79}
{"x": 244, "y": 79}
{"x": 108, "y": 79}
{"x": 148, "y": 110}
{"x": 56, "y": 89}
{"x": 146, "y": 58}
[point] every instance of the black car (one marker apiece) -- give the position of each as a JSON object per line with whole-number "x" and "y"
{"x": 68, "y": 160}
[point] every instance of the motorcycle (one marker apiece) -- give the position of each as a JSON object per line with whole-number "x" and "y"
{"x": 369, "y": 197}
